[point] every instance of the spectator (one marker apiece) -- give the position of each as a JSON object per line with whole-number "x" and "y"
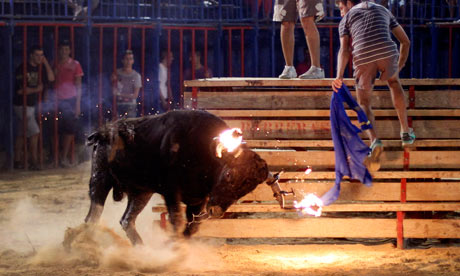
{"x": 200, "y": 72}
{"x": 80, "y": 12}
{"x": 368, "y": 26}
{"x": 68, "y": 92}
{"x": 165, "y": 93}
{"x": 126, "y": 83}
{"x": 34, "y": 86}
{"x": 452, "y": 7}
{"x": 286, "y": 12}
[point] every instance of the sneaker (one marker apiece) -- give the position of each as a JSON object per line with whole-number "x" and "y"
{"x": 313, "y": 73}
{"x": 408, "y": 138}
{"x": 288, "y": 73}
{"x": 372, "y": 161}
{"x": 77, "y": 10}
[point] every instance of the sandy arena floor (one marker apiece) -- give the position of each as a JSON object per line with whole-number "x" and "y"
{"x": 36, "y": 209}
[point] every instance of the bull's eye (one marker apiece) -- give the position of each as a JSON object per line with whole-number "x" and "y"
{"x": 228, "y": 176}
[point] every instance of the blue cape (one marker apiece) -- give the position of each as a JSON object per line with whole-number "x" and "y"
{"x": 350, "y": 150}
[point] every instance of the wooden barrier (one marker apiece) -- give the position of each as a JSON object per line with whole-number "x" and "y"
{"x": 287, "y": 123}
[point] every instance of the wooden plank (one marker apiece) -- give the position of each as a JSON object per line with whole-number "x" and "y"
{"x": 341, "y": 207}
{"x": 326, "y": 113}
{"x": 320, "y": 129}
{"x": 356, "y": 191}
{"x": 305, "y": 227}
{"x": 251, "y": 82}
{"x": 329, "y": 144}
{"x": 312, "y": 99}
{"x": 321, "y": 175}
{"x": 432, "y": 228}
{"x": 389, "y": 160}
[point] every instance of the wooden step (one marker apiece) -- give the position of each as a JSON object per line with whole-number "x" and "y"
{"x": 288, "y": 99}
{"x": 321, "y": 129}
{"x": 320, "y": 159}
{"x": 329, "y": 144}
{"x": 326, "y": 113}
{"x": 428, "y": 190}
{"x": 235, "y": 82}
{"x": 342, "y": 207}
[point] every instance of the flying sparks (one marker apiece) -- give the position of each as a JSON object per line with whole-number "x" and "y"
{"x": 229, "y": 140}
{"x": 310, "y": 204}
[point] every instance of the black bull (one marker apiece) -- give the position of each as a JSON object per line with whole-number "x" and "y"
{"x": 173, "y": 154}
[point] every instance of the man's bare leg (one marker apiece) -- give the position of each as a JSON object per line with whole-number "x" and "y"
{"x": 312, "y": 37}
{"x": 364, "y": 100}
{"x": 287, "y": 42}
{"x": 399, "y": 102}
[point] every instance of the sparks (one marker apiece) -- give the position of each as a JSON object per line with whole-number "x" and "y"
{"x": 310, "y": 204}
{"x": 308, "y": 170}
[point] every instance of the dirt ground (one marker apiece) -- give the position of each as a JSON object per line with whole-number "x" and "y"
{"x": 37, "y": 209}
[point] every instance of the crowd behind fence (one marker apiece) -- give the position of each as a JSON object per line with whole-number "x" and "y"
{"x": 250, "y": 49}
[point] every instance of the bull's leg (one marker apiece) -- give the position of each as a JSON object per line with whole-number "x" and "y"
{"x": 174, "y": 211}
{"x": 195, "y": 215}
{"x": 136, "y": 204}
{"x": 100, "y": 184}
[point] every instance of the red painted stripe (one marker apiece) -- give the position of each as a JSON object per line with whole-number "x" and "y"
{"x": 230, "y": 52}
{"x": 242, "y": 52}
{"x": 143, "y": 72}
{"x": 24, "y": 96}
{"x": 99, "y": 100}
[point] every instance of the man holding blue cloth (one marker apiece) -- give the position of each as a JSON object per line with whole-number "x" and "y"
{"x": 368, "y": 26}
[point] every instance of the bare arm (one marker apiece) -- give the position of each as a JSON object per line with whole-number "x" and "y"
{"x": 404, "y": 45}
{"x": 49, "y": 70}
{"x": 342, "y": 61}
{"x": 78, "y": 86}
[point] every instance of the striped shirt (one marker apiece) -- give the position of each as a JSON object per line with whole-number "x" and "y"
{"x": 369, "y": 26}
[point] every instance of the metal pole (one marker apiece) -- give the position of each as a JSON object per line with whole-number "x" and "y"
{"x": 9, "y": 96}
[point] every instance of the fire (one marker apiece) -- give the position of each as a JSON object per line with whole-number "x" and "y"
{"x": 310, "y": 204}
{"x": 308, "y": 170}
{"x": 231, "y": 139}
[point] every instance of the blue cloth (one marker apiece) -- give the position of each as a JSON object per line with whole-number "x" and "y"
{"x": 350, "y": 150}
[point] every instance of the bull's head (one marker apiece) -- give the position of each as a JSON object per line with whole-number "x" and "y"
{"x": 241, "y": 173}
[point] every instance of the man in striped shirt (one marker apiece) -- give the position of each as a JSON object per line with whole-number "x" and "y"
{"x": 369, "y": 27}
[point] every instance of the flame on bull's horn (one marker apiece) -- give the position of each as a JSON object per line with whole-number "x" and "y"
{"x": 229, "y": 140}
{"x": 310, "y": 204}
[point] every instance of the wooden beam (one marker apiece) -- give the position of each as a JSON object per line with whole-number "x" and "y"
{"x": 356, "y": 191}
{"x": 432, "y": 228}
{"x": 326, "y": 113}
{"x": 306, "y": 227}
{"x": 342, "y": 207}
{"x": 328, "y": 143}
{"x": 279, "y": 99}
{"x": 319, "y": 175}
{"x": 251, "y": 82}
{"x": 389, "y": 160}
{"x": 321, "y": 129}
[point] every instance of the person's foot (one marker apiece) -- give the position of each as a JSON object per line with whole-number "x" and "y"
{"x": 77, "y": 12}
{"x": 288, "y": 73}
{"x": 372, "y": 161}
{"x": 313, "y": 73}
{"x": 408, "y": 138}
{"x": 65, "y": 163}
{"x": 34, "y": 167}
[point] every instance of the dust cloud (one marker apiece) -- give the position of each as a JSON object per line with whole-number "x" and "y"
{"x": 57, "y": 236}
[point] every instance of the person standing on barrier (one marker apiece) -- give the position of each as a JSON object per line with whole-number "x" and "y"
{"x": 310, "y": 12}
{"x": 34, "y": 85}
{"x": 368, "y": 25}
{"x": 126, "y": 83}
{"x": 69, "y": 74}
